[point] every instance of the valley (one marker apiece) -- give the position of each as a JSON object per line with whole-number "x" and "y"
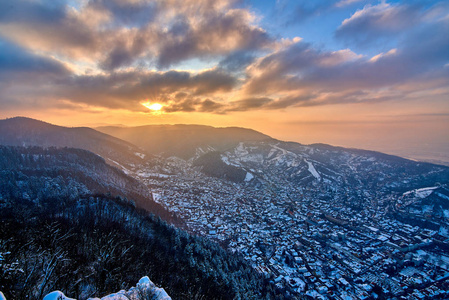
{"x": 325, "y": 234}
{"x": 314, "y": 221}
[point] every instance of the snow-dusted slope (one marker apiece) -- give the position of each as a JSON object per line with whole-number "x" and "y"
{"x": 326, "y": 166}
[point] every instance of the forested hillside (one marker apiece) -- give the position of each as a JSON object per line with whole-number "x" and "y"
{"x": 93, "y": 246}
{"x": 34, "y": 173}
{"x": 20, "y": 131}
{"x": 69, "y": 222}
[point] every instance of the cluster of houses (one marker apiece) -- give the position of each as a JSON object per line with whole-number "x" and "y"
{"x": 309, "y": 243}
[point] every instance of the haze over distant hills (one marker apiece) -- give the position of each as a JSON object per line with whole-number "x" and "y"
{"x": 236, "y": 154}
{"x": 183, "y": 140}
{"x": 396, "y": 143}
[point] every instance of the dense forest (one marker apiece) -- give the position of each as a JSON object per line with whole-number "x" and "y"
{"x": 55, "y": 233}
{"x": 213, "y": 165}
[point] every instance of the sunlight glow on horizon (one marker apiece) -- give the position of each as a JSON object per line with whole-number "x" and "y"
{"x": 343, "y": 72}
{"x": 153, "y": 106}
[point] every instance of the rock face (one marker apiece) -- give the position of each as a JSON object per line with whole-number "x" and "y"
{"x": 145, "y": 289}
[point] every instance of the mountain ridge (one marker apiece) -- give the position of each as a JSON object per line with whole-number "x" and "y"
{"x": 23, "y": 131}
{"x": 70, "y": 173}
{"x": 183, "y": 140}
{"x": 140, "y": 143}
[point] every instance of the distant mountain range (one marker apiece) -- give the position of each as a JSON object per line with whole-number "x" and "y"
{"x": 237, "y": 154}
{"x": 184, "y": 141}
{"x": 241, "y": 154}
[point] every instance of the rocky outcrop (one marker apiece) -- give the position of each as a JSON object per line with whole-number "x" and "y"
{"x": 144, "y": 290}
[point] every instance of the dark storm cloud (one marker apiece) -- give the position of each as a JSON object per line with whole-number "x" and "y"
{"x": 31, "y": 11}
{"x": 15, "y": 59}
{"x": 237, "y": 61}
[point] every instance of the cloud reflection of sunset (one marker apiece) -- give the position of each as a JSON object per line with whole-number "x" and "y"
{"x": 224, "y": 63}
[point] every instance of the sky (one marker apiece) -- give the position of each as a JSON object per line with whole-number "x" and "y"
{"x": 354, "y": 73}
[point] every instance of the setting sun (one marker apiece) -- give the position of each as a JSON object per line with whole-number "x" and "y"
{"x": 153, "y": 106}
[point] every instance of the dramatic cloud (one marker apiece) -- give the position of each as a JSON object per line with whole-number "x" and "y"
{"x": 14, "y": 59}
{"x": 25, "y": 75}
{"x": 237, "y": 61}
{"x": 300, "y": 75}
{"x": 214, "y": 56}
{"x": 130, "y": 89}
{"x": 121, "y": 33}
{"x": 194, "y": 105}
{"x": 249, "y": 103}
{"x": 289, "y": 68}
{"x": 48, "y": 26}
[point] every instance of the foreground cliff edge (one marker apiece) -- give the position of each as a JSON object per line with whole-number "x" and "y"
{"x": 145, "y": 289}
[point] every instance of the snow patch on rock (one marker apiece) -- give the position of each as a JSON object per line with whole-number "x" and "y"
{"x": 421, "y": 193}
{"x": 145, "y": 287}
{"x": 249, "y": 176}
{"x": 312, "y": 170}
{"x": 141, "y": 155}
{"x": 56, "y": 295}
